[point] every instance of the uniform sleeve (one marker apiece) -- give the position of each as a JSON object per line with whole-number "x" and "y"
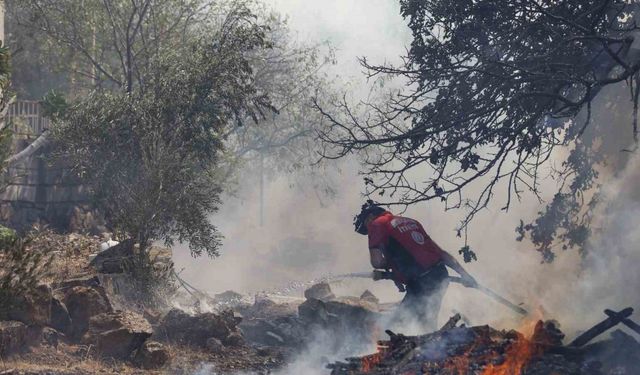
{"x": 378, "y": 234}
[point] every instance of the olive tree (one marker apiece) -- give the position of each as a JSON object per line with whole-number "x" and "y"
{"x": 149, "y": 151}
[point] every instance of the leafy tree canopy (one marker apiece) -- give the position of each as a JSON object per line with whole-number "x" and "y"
{"x": 493, "y": 87}
{"x": 147, "y": 140}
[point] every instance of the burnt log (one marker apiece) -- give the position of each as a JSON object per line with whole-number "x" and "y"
{"x": 614, "y": 319}
{"x": 451, "y": 323}
{"x": 627, "y": 322}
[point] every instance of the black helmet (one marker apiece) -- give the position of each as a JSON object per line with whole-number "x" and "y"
{"x": 370, "y": 207}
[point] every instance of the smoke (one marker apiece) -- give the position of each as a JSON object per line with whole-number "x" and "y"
{"x": 307, "y": 235}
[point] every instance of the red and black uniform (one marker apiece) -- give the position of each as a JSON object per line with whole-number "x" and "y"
{"x": 415, "y": 261}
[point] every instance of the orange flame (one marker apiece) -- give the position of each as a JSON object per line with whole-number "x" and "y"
{"x": 516, "y": 358}
{"x": 519, "y": 353}
{"x": 369, "y": 362}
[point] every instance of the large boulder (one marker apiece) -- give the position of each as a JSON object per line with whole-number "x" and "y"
{"x": 178, "y": 326}
{"x": 117, "y": 334}
{"x": 229, "y": 297}
{"x": 152, "y": 355}
{"x": 13, "y": 337}
{"x": 86, "y": 281}
{"x": 40, "y": 308}
{"x": 367, "y": 296}
{"x": 314, "y": 311}
{"x": 321, "y": 291}
{"x": 264, "y": 307}
{"x": 83, "y": 303}
{"x": 114, "y": 258}
{"x": 339, "y": 317}
{"x": 286, "y": 331}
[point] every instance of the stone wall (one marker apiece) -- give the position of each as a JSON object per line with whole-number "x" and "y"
{"x": 39, "y": 191}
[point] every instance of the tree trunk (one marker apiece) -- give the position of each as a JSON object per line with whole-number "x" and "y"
{"x": 40, "y": 142}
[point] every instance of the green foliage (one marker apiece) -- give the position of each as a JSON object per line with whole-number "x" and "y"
{"x": 54, "y": 105}
{"x": 5, "y": 68}
{"x": 153, "y": 283}
{"x": 467, "y": 254}
{"x": 493, "y": 89}
{"x": 7, "y": 237}
{"x": 149, "y": 155}
{"x": 6, "y": 95}
{"x": 76, "y": 46}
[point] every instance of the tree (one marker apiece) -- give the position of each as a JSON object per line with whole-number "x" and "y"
{"x": 493, "y": 88}
{"x": 6, "y": 97}
{"x": 284, "y": 141}
{"x": 71, "y": 43}
{"x": 148, "y": 137}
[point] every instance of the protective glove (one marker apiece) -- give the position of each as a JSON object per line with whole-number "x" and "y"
{"x": 379, "y": 275}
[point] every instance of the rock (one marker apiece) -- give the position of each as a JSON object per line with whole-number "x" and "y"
{"x": 214, "y": 345}
{"x": 234, "y": 339}
{"x": 83, "y": 303}
{"x": 369, "y": 297}
{"x": 338, "y": 318}
{"x": 50, "y": 337}
{"x": 262, "y": 331}
{"x": 13, "y": 337}
{"x": 153, "y": 316}
{"x": 228, "y": 298}
{"x": 152, "y": 355}
{"x": 313, "y": 311}
{"x": 60, "y": 319}
{"x": 282, "y": 331}
{"x": 117, "y": 334}
{"x": 40, "y": 308}
{"x": 321, "y": 291}
{"x": 109, "y": 243}
{"x": 88, "y": 281}
{"x": 112, "y": 260}
{"x": 178, "y": 326}
{"x": 264, "y": 307}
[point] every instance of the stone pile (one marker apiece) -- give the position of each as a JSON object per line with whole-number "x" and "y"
{"x": 272, "y": 324}
{"x": 79, "y": 313}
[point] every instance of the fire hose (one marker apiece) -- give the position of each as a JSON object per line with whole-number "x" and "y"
{"x": 385, "y": 275}
{"x": 493, "y": 295}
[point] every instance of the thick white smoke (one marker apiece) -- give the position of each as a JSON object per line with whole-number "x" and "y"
{"x": 306, "y": 235}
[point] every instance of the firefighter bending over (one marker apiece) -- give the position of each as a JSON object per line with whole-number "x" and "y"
{"x": 401, "y": 250}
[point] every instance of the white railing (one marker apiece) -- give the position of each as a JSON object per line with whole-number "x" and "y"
{"x": 28, "y": 113}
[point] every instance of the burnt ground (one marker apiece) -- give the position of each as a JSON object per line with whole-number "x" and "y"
{"x": 231, "y": 334}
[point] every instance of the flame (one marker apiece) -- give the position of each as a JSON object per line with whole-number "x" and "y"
{"x": 369, "y": 362}
{"x": 516, "y": 358}
{"x": 519, "y": 353}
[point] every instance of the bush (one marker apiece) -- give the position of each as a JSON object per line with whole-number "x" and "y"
{"x": 21, "y": 270}
{"x": 7, "y": 237}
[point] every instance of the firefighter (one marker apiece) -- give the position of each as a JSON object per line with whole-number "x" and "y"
{"x": 400, "y": 247}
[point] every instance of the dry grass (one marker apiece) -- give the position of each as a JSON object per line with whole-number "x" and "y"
{"x": 66, "y": 359}
{"x": 186, "y": 360}
{"x": 76, "y": 360}
{"x": 70, "y": 253}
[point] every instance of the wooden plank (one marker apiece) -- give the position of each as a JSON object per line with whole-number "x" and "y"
{"x": 614, "y": 319}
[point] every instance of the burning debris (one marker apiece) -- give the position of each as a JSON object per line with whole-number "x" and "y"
{"x": 482, "y": 350}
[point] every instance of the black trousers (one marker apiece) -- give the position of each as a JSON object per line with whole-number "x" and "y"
{"x": 424, "y": 296}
